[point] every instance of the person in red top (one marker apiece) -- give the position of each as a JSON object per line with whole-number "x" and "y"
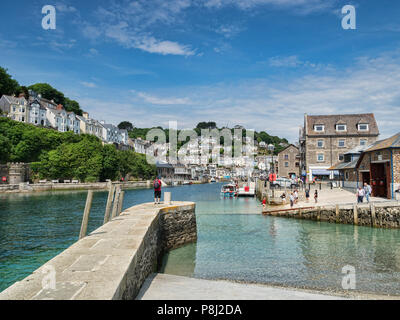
{"x": 157, "y": 190}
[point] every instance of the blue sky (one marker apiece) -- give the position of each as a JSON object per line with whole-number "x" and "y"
{"x": 258, "y": 63}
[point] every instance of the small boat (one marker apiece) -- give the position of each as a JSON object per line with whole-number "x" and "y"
{"x": 213, "y": 180}
{"x": 229, "y": 190}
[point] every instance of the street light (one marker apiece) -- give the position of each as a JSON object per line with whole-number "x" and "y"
{"x": 271, "y": 148}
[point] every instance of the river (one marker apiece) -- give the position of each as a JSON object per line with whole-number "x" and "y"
{"x": 235, "y": 241}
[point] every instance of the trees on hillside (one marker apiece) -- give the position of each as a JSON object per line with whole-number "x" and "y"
{"x": 126, "y": 125}
{"x": 8, "y": 85}
{"x": 56, "y": 155}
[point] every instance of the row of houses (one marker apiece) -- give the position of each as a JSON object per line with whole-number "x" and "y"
{"x": 45, "y": 113}
{"x": 344, "y": 148}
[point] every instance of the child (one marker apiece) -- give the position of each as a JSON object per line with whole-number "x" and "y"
{"x": 316, "y": 196}
{"x": 264, "y": 203}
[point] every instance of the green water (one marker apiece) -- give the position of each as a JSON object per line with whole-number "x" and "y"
{"x": 234, "y": 241}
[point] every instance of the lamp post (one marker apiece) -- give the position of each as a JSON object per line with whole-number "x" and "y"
{"x": 271, "y": 148}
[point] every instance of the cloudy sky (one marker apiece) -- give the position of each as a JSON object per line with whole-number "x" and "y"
{"x": 258, "y": 63}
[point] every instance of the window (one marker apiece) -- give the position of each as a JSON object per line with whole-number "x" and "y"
{"x": 342, "y": 143}
{"x": 319, "y": 128}
{"x": 286, "y": 157}
{"x": 341, "y": 157}
{"x": 341, "y": 127}
{"x": 286, "y": 164}
{"x": 363, "y": 142}
{"x": 346, "y": 175}
{"x": 320, "y": 157}
{"x": 320, "y": 143}
{"x": 363, "y": 127}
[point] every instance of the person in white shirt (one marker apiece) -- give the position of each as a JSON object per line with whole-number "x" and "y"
{"x": 360, "y": 195}
{"x": 368, "y": 191}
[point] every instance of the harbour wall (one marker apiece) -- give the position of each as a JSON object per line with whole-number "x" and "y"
{"x": 113, "y": 262}
{"x": 44, "y": 187}
{"x": 376, "y": 215}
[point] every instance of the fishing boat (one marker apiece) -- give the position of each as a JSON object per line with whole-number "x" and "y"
{"x": 229, "y": 190}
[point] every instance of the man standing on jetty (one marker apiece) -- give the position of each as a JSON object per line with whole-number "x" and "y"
{"x": 157, "y": 190}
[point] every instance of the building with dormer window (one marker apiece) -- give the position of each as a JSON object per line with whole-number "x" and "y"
{"x": 325, "y": 139}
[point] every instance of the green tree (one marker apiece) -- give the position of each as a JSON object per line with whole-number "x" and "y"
{"x": 110, "y": 163}
{"x": 8, "y": 86}
{"x": 5, "y": 149}
{"x": 126, "y": 125}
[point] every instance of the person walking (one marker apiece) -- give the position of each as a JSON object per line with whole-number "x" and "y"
{"x": 292, "y": 199}
{"x": 368, "y": 191}
{"x": 307, "y": 195}
{"x": 157, "y": 190}
{"x": 316, "y": 196}
{"x": 360, "y": 195}
{"x": 264, "y": 203}
{"x": 296, "y": 196}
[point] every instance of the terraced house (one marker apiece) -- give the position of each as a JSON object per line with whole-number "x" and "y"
{"x": 325, "y": 139}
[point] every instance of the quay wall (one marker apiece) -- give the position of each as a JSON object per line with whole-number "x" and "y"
{"x": 378, "y": 215}
{"x": 112, "y": 262}
{"x": 24, "y": 187}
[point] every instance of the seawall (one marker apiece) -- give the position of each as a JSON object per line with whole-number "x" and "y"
{"x": 376, "y": 215}
{"x": 26, "y": 188}
{"x": 112, "y": 262}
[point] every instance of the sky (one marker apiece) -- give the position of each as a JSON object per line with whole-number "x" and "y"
{"x": 257, "y": 63}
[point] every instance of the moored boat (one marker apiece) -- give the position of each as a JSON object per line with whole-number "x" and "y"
{"x": 229, "y": 190}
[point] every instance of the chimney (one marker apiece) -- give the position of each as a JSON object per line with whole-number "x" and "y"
{"x": 85, "y": 115}
{"x": 60, "y": 107}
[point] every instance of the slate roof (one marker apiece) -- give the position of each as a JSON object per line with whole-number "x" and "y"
{"x": 392, "y": 142}
{"x": 351, "y": 120}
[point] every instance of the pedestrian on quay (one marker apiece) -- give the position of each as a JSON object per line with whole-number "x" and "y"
{"x": 360, "y": 195}
{"x": 307, "y": 195}
{"x": 264, "y": 202}
{"x": 368, "y": 191}
{"x": 316, "y": 196}
{"x": 157, "y": 190}
{"x": 296, "y": 196}
{"x": 292, "y": 199}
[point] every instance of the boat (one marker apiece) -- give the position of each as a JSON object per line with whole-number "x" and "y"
{"x": 229, "y": 190}
{"x": 248, "y": 190}
{"x": 213, "y": 180}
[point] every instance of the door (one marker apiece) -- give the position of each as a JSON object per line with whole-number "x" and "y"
{"x": 379, "y": 180}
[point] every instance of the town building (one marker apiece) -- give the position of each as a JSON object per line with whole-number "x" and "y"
{"x": 37, "y": 113}
{"x": 15, "y": 108}
{"x": 347, "y": 175}
{"x": 324, "y": 140}
{"x": 379, "y": 166}
{"x": 289, "y": 162}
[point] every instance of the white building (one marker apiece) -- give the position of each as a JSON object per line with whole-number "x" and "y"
{"x": 37, "y": 113}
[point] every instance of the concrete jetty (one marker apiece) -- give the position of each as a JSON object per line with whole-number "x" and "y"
{"x": 112, "y": 262}
{"x": 170, "y": 287}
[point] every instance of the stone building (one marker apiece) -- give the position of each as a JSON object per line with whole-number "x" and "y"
{"x": 325, "y": 139}
{"x": 289, "y": 162}
{"x": 379, "y": 166}
{"x": 14, "y": 173}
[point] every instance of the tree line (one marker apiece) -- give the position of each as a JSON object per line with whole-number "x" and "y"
{"x": 67, "y": 156}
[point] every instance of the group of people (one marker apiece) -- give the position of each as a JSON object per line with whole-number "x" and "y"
{"x": 364, "y": 192}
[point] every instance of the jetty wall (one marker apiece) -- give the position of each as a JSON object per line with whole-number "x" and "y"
{"x": 113, "y": 262}
{"x": 376, "y": 215}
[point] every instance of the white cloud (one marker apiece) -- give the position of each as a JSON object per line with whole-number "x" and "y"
{"x": 292, "y": 62}
{"x": 89, "y": 84}
{"x": 64, "y": 8}
{"x": 163, "y": 101}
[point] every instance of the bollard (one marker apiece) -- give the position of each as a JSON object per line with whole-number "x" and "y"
{"x": 116, "y": 201}
{"x": 167, "y": 198}
{"x": 373, "y": 215}
{"x": 86, "y": 214}
{"x": 337, "y": 213}
{"x": 121, "y": 202}
{"x": 109, "y": 204}
{"x": 355, "y": 215}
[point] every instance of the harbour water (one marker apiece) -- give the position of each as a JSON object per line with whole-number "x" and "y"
{"x": 235, "y": 241}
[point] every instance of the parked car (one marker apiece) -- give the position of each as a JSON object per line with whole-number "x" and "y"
{"x": 284, "y": 183}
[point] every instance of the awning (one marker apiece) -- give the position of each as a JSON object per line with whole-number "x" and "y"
{"x": 322, "y": 172}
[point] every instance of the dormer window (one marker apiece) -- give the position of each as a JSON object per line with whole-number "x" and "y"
{"x": 341, "y": 127}
{"x": 319, "y": 128}
{"x": 363, "y": 127}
